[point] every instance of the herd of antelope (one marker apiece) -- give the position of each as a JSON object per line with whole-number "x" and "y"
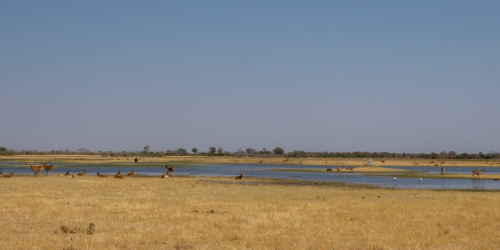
{"x": 341, "y": 168}
{"x": 45, "y": 167}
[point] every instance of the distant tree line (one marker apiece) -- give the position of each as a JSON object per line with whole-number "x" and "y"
{"x": 250, "y": 152}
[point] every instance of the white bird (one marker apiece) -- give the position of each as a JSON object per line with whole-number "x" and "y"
{"x": 395, "y": 179}
{"x": 420, "y": 179}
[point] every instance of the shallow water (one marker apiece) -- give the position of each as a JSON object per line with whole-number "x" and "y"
{"x": 266, "y": 171}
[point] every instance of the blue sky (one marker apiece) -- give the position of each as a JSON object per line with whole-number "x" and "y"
{"x": 398, "y": 76}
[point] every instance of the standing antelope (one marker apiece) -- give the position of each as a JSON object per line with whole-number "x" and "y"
{"x": 82, "y": 174}
{"x": 262, "y": 161}
{"x": 443, "y": 162}
{"x": 48, "y": 167}
{"x": 442, "y": 170}
{"x": 131, "y": 173}
{"x": 37, "y": 169}
{"x": 382, "y": 161}
{"x": 170, "y": 169}
{"x": 101, "y": 175}
{"x": 476, "y": 172}
{"x": 239, "y": 177}
{"x": 1, "y": 172}
{"x": 9, "y": 175}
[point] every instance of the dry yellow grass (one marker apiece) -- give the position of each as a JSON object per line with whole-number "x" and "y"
{"x": 253, "y": 160}
{"x": 222, "y": 213}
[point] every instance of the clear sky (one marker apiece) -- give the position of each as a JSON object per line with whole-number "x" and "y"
{"x": 397, "y": 76}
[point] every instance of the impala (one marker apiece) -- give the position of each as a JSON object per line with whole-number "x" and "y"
{"x": 476, "y": 172}
{"x": 239, "y": 177}
{"x": 118, "y": 175}
{"x": 101, "y": 175}
{"x": 48, "y": 167}
{"x": 82, "y": 174}
{"x": 37, "y": 169}
{"x": 9, "y": 175}
{"x": 165, "y": 176}
{"x": 131, "y": 173}
{"x": 170, "y": 169}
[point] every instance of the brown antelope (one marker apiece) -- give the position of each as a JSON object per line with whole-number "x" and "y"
{"x": 382, "y": 161}
{"x": 442, "y": 170}
{"x": 476, "y": 172}
{"x": 170, "y": 169}
{"x": 165, "y": 176}
{"x": 82, "y": 174}
{"x": 1, "y": 172}
{"x": 131, "y": 173}
{"x": 262, "y": 161}
{"x": 329, "y": 169}
{"x": 68, "y": 174}
{"x": 351, "y": 168}
{"x": 239, "y": 177}
{"x": 37, "y": 169}
{"x": 338, "y": 169}
{"x": 119, "y": 176}
{"x": 443, "y": 162}
{"x": 9, "y": 175}
{"x": 60, "y": 175}
{"x": 48, "y": 167}
{"x": 102, "y": 175}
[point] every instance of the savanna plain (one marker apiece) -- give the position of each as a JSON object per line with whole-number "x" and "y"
{"x": 224, "y": 213}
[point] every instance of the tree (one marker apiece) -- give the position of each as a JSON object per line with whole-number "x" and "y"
{"x": 250, "y": 151}
{"x": 212, "y": 150}
{"x": 443, "y": 154}
{"x": 219, "y": 150}
{"x": 181, "y": 151}
{"x": 278, "y": 151}
{"x": 264, "y": 151}
{"x": 3, "y": 149}
{"x": 194, "y": 150}
{"x": 83, "y": 151}
{"x": 146, "y": 149}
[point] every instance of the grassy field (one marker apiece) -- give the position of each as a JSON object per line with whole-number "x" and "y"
{"x": 249, "y": 160}
{"x": 223, "y": 213}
